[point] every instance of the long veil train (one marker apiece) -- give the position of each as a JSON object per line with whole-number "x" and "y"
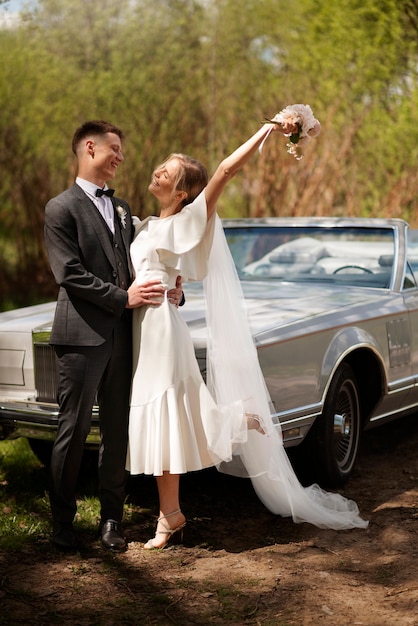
{"x": 234, "y": 375}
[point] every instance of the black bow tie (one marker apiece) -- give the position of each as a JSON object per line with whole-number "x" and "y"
{"x": 104, "y": 192}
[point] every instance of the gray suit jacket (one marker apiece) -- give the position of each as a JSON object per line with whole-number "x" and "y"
{"x": 83, "y": 262}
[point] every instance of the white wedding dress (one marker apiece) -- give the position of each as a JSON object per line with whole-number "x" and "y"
{"x": 177, "y": 423}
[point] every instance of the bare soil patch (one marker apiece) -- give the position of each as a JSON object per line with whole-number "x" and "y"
{"x": 238, "y": 563}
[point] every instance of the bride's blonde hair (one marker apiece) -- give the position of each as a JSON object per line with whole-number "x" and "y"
{"x": 191, "y": 177}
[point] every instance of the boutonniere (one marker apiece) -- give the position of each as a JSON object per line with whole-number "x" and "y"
{"x": 122, "y": 215}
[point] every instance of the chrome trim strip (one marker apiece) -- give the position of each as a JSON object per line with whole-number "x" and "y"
{"x": 401, "y": 385}
{"x": 310, "y": 410}
{"x": 405, "y": 409}
{"x": 29, "y": 407}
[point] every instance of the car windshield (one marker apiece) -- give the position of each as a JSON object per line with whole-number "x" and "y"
{"x": 349, "y": 255}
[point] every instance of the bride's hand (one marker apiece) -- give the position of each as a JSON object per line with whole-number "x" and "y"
{"x": 286, "y": 127}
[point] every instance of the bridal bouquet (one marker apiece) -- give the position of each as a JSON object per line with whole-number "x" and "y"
{"x": 308, "y": 126}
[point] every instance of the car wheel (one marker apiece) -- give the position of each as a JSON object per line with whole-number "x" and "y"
{"x": 335, "y": 436}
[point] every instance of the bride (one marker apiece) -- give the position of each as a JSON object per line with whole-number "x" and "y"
{"x": 177, "y": 423}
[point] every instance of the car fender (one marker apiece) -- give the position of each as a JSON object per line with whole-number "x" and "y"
{"x": 343, "y": 345}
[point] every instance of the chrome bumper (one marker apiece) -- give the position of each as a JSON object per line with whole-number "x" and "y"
{"x": 38, "y": 421}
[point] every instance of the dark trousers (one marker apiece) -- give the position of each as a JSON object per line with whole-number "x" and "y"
{"x": 83, "y": 372}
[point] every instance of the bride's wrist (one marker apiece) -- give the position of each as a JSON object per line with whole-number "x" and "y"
{"x": 270, "y": 126}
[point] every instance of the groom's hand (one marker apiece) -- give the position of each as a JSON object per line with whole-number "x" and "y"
{"x": 151, "y": 292}
{"x": 176, "y": 295}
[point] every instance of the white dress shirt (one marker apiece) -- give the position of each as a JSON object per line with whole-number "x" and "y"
{"x": 104, "y": 204}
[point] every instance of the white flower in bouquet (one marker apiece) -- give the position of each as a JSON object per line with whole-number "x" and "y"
{"x": 308, "y": 126}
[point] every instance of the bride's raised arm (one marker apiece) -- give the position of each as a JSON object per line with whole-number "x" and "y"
{"x": 235, "y": 161}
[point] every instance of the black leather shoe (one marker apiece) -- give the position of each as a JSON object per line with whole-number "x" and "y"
{"x": 63, "y": 536}
{"x": 112, "y": 538}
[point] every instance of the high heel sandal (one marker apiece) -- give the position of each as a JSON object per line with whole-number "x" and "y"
{"x": 169, "y": 532}
{"x": 254, "y": 423}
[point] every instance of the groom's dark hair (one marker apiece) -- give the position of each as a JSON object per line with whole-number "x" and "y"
{"x": 94, "y": 127}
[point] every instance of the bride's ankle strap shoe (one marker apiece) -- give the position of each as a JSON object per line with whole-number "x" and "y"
{"x": 168, "y": 532}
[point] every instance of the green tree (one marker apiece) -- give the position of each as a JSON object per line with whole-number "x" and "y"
{"x": 355, "y": 59}
{"x": 198, "y": 77}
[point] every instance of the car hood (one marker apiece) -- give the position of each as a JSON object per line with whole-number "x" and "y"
{"x": 27, "y": 318}
{"x": 281, "y": 305}
{"x": 271, "y": 306}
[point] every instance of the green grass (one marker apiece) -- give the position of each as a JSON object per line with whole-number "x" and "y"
{"x": 24, "y": 508}
{"x": 17, "y": 456}
{"x": 24, "y": 505}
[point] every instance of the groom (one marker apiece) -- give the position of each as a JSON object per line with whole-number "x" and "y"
{"x": 88, "y": 232}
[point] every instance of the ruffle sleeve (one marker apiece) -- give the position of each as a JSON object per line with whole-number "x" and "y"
{"x": 184, "y": 240}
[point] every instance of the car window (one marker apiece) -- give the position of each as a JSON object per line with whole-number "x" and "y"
{"x": 410, "y": 280}
{"x": 345, "y": 255}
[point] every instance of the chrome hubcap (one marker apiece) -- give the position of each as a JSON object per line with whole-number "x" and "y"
{"x": 341, "y": 425}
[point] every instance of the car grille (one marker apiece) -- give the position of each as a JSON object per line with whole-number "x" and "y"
{"x": 45, "y": 364}
{"x": 46, "y": 378}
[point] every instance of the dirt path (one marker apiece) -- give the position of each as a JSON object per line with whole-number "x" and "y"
{"x": 238, "y": 563}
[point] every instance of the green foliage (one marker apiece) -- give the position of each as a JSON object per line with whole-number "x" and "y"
{"x": 198, "y": 77}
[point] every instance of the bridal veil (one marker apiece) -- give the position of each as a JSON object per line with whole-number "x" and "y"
{"x": 235, "y": 379}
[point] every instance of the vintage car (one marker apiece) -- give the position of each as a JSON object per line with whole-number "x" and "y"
{"x": 333, "y": 307}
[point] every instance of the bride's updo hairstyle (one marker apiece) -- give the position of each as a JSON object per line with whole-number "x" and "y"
{"x": 191, "y": 177}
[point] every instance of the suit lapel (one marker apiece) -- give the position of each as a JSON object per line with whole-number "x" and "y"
{"x": 126, "y": 231}
{"x": 93, "y": 216}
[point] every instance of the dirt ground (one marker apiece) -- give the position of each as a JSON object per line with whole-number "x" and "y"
{"x": 238, "y": 563}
